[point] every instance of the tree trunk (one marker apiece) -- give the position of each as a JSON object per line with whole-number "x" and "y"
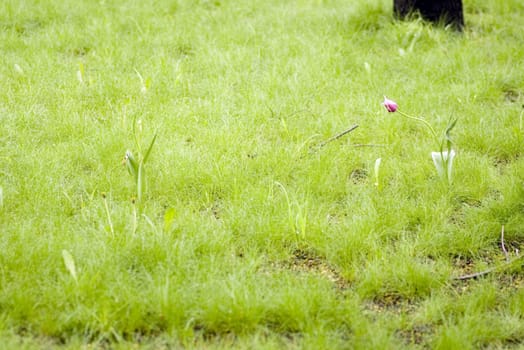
{"x": 448, "y": 12}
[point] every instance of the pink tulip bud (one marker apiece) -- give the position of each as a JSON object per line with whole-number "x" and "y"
{"x": 390, "y": 105}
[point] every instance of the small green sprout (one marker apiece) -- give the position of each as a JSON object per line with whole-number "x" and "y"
{"x": 136, "y": 166}
{"x": 297, "y": 214}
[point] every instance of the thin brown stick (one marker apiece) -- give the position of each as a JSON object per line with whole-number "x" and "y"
{"x": 485, "y": 272}
{"x": 492, "y": 269}
{"x": 337, "y": 136}
{"x": 475, "y": 275}
{"x": 368, "y": 145}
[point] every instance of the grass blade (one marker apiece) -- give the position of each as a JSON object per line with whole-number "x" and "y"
{"x": 169, "y": 218}
{"x": 69, "y": 263}
{"x": 140, "y": 183}
{"x": 146, "y": 155}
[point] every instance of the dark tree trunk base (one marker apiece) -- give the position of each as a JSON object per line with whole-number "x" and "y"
{"x": 448, "y": 12}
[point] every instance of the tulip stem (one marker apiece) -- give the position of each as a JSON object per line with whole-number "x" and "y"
{"x": 424, "y": 122}
{"x": 445, "y": 159}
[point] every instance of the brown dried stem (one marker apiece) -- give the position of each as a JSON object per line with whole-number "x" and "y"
{"x": 495, "y": 268}
{"x": 336, "y": 137}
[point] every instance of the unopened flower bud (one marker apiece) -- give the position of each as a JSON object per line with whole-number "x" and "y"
{"x": 390, "y": 105}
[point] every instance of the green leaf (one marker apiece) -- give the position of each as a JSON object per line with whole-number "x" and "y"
{"x": 149, "y": 149}
{"x": 136, "y": 135}
{"x": 140, "y": 182}
{"x": 447, "y": 133}
{"x": 69, "y": 263}
{"x": 169, "y": 218}
{"x": 131, "y": 164}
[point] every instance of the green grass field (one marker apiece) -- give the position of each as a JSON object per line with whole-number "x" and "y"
{"x": 240, "y": 230}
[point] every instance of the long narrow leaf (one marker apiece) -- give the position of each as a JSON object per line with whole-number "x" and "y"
{"x": 135, "y": 134}
{"x": 69, "y": 263}
{"x": 131, "y": 164}
{"x": 447, "y": 133}
{"x": 140, "y": 182}
{"x": 169, "y": 218}
{"x": 146, "y": 155}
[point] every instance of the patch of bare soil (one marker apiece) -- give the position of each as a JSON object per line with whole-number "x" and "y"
{"x": 358, "y": 176}
{"x": 309, "y": 262}
{"x": 306, "y": 261}
{"x": 391, "y": 303}
{"x": 417, "y": 334}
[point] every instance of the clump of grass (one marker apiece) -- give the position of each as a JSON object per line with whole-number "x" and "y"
{"x": 297, "y": 214}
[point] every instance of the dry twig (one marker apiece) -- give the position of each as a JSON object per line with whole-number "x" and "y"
{"x": 336, "y": 137}
{"x": 495, "y": 268}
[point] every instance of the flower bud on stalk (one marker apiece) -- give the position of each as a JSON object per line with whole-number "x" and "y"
{"x": 390, "y": 105}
